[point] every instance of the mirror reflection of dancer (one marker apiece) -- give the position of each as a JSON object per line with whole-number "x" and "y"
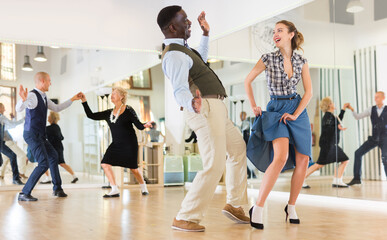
{"x": 205, "y": 114}
{"x": 378, "y": 114}
{"x": 245, "y": 129}
{"x": 285, "y": 122}
{"x": 123, "y": 150}
{"x": 55, "y": 137}
{"x": 155, "y": 134}
{"x": 36, "y": 104}
{"x": 329, "y": 141}
{"x": 8, "y": 147}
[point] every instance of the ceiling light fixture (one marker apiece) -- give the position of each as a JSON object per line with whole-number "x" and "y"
{"x": 27, "y": 65}
{"x": 213, "y": 60}
{"x": 40, "y": 57}
{"x": 355, "y": 6}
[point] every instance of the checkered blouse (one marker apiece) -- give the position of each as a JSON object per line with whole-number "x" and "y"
{"x": 277, "y": 79}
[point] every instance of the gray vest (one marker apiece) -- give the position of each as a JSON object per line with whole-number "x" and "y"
{"x": 201, "y": 75}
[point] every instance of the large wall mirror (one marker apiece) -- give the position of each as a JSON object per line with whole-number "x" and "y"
{"x": 345, "y": 46}
{"x": 318, "y": 49}
{"x": 360, "y": 57}
{"x": 95, "y": 73}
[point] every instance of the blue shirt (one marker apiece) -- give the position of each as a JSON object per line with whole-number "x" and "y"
{"x": 176, "y": 66}
{"x": 32, "y": 102}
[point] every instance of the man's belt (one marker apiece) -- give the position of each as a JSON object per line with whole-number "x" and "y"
{"x": 215, "y": 96}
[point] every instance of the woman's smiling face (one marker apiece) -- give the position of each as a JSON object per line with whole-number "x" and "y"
{"x": 281, "y": 35}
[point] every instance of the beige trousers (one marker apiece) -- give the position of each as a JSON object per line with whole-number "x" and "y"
{"x": 221, "y": 146}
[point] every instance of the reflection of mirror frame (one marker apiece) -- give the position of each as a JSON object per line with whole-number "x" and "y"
{"x": 145, "y": 108}
{"x": 147, "y": 78}
{"x": 128, "y": 83}
{"x": 10, "y": 108}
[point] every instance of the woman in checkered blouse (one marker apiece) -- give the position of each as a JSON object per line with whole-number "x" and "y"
{"x": 281, "y": 136}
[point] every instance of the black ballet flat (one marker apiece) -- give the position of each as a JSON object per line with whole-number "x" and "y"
{"x": 293, "y": 221}
{"x": 253, "y": 224}
{"x": 111, "y": 196}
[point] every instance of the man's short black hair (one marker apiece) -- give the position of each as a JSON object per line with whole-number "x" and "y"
{"x": 166, "y": 15}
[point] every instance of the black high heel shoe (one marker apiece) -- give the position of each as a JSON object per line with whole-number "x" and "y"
{"x": 253, "y": 224}
{"x": 294, "y": 221}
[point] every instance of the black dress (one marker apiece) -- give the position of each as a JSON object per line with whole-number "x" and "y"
{"x": 329, "y": 140}
{"x": 55, "y": 137}
{"x": 123, "y": 150}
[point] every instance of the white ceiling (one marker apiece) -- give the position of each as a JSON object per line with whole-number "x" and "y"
{"x": 123, "y": 24}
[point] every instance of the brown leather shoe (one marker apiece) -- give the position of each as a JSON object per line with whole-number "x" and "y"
{"x": 235, "y": 214}
{"x": 187, "y": 226}
{"x": 23, "y": 176}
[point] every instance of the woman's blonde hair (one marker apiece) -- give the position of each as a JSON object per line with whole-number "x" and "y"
{"x": 54, "y": 116}
{"x": 123, "y": 93}
{"x": 324, "y": 104}
{"x": 298, "y": 38}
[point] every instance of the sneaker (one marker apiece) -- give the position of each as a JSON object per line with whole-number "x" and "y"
{"x": 235, "y": 214}
{"x": 187, "y": 226}
{"x": 75, "y": 180}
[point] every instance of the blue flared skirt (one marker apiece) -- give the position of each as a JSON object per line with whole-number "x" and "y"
{"x": 268, "y": 127}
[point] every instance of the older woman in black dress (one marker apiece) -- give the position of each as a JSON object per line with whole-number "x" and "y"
{"x": 329, "y": 141}
{"x": 123, "y": 150}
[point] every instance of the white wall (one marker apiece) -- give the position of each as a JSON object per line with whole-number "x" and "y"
{"x": 157, "y": 94}
{"x": 318, "y": 48}
{"x": 123, "y": 24}
{"x": 381, "y": 63}
{"x": 326, "y": 44}
{"x": 174, "y": 122}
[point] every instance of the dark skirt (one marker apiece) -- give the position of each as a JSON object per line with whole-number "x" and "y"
{"x": 60, "y": 157}
{"x": 122, "y": 155}
{"x": 268, "y": 127}
{"x": 328, "y": 155}
{"x": 59, "y": 150}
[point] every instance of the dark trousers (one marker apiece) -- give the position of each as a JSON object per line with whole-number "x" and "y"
{"x": 12, "y": 158}
{"x": 363, "y": 149}
{"x": 46, "y": 156}
{"x": 246, "y": 136}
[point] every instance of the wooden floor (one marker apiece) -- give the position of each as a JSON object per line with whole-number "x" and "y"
{"x": 322, "y": 186}
{"x": 86, "y": 215}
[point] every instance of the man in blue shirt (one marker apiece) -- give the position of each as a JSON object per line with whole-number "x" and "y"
{"x": 36, "y": 104}
{"x": 200, "y": 93}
